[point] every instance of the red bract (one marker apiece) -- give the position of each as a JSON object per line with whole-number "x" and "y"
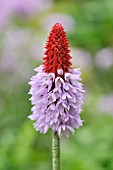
{"x": 57, "y": 51}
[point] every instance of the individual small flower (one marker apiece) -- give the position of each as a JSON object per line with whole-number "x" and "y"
{"x": 57, "y": 94}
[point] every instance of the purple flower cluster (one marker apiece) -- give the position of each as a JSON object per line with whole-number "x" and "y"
{"x": 57, "y": 101}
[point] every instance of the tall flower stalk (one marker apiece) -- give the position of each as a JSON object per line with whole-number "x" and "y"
{"x": 57, "y": 94}
{"x": 56, "y": 165}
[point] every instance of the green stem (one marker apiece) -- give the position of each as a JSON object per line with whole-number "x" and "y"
{"x": 55, "y": 151}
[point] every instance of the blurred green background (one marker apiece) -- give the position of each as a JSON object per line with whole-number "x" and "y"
{"x": 24, "y": 27}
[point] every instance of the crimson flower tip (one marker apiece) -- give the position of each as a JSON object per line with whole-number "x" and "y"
{"x": 57, "y": 54}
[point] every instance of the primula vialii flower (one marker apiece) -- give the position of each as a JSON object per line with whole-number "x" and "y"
{"x": 57, "y": 94}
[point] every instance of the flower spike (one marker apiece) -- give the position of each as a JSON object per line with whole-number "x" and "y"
{"x": 57, "y": 94}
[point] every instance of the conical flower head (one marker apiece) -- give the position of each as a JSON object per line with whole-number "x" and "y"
{"x": 57, "y": 94}
{"x": 57, "y": 51}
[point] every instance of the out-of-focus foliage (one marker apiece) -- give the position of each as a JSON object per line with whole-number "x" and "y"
{"x": 24, "y": 26}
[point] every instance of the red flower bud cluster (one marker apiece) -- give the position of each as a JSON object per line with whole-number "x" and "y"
{"x": 57, "y": 51}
